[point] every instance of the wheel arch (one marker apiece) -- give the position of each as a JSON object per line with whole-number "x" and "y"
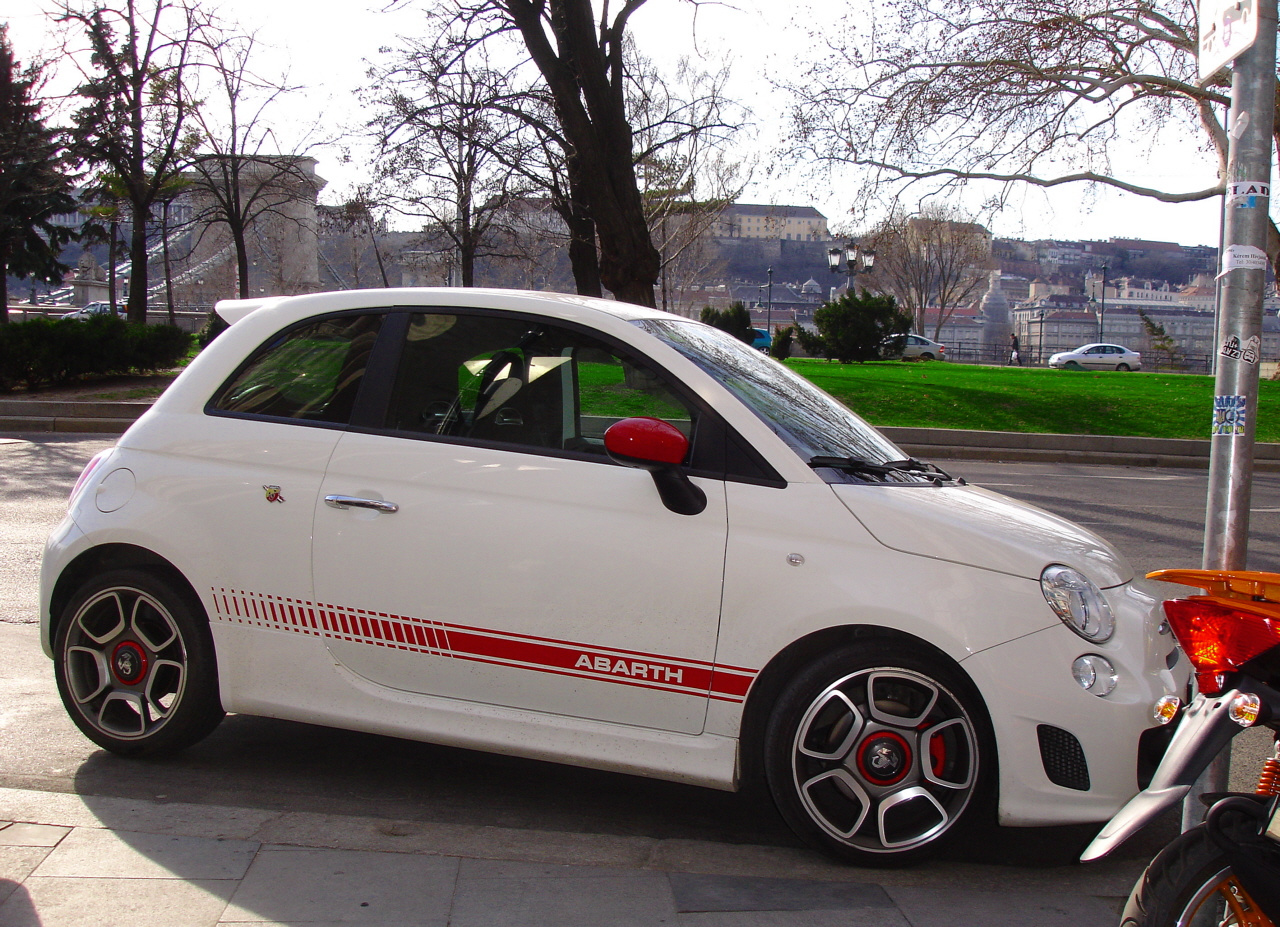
{"x": 116, "y": 557}
{"x": 774, "y": 677}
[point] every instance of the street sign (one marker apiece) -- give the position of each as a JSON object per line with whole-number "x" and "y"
{"x": 1227, "y": 27}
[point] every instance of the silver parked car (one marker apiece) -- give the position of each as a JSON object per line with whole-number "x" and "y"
{"x": 1097, "y": 357}
{"x": 95, "y": 309}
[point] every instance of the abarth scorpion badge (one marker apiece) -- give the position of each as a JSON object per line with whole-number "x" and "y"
{"x": 273, "y": 494}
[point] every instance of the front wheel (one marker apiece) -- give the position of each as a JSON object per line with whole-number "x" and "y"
{"x": 135, "y": 665}
{"x": 877, "y": 752}
{"x": 1190, "y": 884}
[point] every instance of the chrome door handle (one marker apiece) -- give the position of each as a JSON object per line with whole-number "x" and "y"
{"x": 344, "y": 502}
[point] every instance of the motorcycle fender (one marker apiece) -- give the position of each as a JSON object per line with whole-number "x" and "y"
{"x": 1204, "y": 730}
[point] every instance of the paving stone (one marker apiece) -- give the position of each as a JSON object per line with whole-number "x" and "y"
{"x": 295, "y": 886}
{"x": 925, "y": 907}
{"x": 16, "y": 863}
{"x": 629, "y": 899}
{"x": 853, "y": 917}
{"x": 695, "y": 892}
{"x": 91, "y": 853}
{"x": 62, "y": 902}
{"x": 32, "y": 835}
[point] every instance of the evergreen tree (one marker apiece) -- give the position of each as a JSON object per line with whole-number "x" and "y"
{"x": 852, "y": 328}
{"x": 133, "y": 124}
{"x": 34, "y": 184}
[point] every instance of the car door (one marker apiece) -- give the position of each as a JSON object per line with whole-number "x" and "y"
{"x": 478, "y": 544}
{"x": 1095, "y": 358}
{"x": 246, "y": 480}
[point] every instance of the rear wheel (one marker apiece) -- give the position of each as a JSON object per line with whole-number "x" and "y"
{"x": 877, "y": 753}
{"x": 1124, "y": 367}
{"x": 135, "y": 665}
{"x": 1190, "y": 884}
{"x": 926, "y": 356}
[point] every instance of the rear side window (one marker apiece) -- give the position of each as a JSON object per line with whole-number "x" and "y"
{"x": 312, "y": 372}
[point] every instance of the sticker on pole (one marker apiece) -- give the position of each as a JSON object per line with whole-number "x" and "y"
{"x": 1242, "y": 257}
{"x": 1248, "y": 195}
{"x": 1247, "y": 351}
{"x": 1227, "y": 27}
{"x": 1230, "y": 414}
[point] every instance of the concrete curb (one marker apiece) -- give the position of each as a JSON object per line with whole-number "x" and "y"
{"x": 45, "y": 416}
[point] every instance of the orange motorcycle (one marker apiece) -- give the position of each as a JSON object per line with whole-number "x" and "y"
{"x": 1226, "y": 871}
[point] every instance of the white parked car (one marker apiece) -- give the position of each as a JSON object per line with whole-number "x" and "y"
{"x": 1098, "y": 357}
{"x": 912, "y": 346}
{"x": 589, "y": 532}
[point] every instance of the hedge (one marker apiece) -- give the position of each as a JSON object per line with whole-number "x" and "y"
{"x": 56, "y": 351}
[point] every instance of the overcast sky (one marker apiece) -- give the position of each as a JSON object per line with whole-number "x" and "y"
{"x": 325, "y": 44}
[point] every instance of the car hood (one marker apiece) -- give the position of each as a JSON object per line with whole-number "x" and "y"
{"x": 977, "y": 527}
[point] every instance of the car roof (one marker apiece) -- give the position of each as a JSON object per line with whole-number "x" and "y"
{"x": 557, "y": 305}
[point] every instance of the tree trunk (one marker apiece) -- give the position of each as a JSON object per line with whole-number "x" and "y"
{"x": 168, "y": 267}
{"x": 138, "y": 269}
{"x": 242, "y": 258}
{"x": 4, "y": 284}
{"x": 112, "y": 255}
{"x": 582, "y": 254}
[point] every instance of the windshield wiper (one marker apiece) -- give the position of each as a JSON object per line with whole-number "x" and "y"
{"x": 933, "y": 471}
{"x": 857, "y": 465}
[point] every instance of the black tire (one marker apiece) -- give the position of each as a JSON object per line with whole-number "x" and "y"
{"x": 847, "y": 771}
{"x": 135, "y": 665}
{"x": 926, "y": 356}
{"x": 1123, "y": 367}
{"x": 1190, "y": 884}
{"x": 1073, "y": 365}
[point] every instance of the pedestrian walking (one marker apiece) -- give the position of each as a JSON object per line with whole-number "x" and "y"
{"x": 1015, "y": 356}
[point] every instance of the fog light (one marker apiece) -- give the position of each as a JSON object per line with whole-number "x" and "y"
{"x": 1245, "y": 709}
{"x": 1166, "y": 709}
{"x": 1095, "y": 674}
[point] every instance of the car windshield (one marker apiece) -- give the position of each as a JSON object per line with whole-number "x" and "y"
{"x": 818, "y": 427}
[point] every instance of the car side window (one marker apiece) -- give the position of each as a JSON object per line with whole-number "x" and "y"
{"x": 312, "y": 372}
{"x": 521, "y": 382}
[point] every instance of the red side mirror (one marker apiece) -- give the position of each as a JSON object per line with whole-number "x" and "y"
{"x": 648, "y": 443}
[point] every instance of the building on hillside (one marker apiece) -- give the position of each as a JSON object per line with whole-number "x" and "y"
{"x": 788, "y": 223}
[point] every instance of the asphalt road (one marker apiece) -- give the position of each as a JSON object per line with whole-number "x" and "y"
{"x": 1155, "y": 517}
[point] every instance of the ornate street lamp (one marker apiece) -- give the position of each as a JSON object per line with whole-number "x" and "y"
{"x": 857, "y": 260}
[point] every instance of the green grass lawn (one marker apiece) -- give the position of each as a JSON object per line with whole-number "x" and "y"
{"x": 943, "y": 395}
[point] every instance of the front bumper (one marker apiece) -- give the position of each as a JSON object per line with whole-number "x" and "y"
{"x": 1067, "y": 756}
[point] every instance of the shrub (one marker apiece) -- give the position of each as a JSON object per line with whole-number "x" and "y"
{"x": 780, "y": 347}
{"x": 52, "y": 351}
{"x": 735, "y": 320}
{"x": 852, "y": 328}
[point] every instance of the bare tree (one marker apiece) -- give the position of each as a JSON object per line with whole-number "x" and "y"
{"x": 134, "y": 121}
{"x": 1040, "y": 92}
{"x": 243, "y": 172}
{"x": 935, "y": 261}
{"x": 440, "y": 128}
{"x": 355, "y": 226}
{"x": 684, "y": 128}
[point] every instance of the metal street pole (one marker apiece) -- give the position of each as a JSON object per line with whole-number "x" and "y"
{"x": 768, "y": 325}
{"x": 1239, "y": 336}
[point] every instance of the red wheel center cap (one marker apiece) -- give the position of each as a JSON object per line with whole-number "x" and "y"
{"x": 884, "y": 758}
{"x": 128, "y": 662}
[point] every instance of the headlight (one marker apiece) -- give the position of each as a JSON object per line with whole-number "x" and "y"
{"x": 1078, "y": 602}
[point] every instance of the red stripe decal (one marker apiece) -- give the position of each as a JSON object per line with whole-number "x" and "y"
{"x": 538, "y": 654}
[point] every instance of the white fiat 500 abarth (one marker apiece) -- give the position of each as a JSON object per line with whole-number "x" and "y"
{"x": 589, "y": 532}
